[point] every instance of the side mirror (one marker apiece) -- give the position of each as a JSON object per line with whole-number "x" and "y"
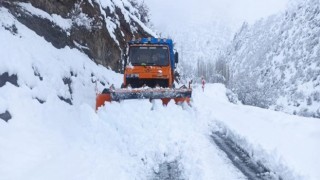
{"x": 176, "y": 57}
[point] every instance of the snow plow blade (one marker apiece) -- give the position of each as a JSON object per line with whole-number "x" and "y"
{"x": 179, "y": 95}
{"x": 117, "y": 95}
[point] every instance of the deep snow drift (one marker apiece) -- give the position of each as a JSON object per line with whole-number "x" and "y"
{"x": 47, "y": 138}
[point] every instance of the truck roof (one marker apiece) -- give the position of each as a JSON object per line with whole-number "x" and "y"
{"x": 152, "y": 40}
{"x": 157, "y": 41}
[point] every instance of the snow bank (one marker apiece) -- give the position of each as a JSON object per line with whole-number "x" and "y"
{"x": 288, "y": 144}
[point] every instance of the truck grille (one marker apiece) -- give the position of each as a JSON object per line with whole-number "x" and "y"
{"x": 137, "y": 83}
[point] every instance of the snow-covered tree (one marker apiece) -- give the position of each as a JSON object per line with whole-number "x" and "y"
{"x": 275, "y": 62}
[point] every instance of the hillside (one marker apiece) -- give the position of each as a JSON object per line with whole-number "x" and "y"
{"x": 100, "y": 29}
{"x": 275, "y": 62}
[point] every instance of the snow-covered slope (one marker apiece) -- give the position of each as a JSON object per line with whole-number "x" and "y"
{"x": 44, "y": 71}
{"x": 275, "y": 62}
{"x": 100, "y": 29}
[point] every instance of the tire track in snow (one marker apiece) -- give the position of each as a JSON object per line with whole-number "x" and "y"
{"x": 242, "y": 160}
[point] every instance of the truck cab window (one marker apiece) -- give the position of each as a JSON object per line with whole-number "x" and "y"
{"x": 153, "y": 55}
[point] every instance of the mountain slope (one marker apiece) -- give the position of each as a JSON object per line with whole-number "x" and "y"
{"x": 275, "y": 62}
{"x": 98, "y": 28}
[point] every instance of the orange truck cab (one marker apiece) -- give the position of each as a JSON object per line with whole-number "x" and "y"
{"x": 151, "y": 62}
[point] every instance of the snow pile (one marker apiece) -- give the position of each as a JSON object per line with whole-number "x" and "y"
{"x": 285, "y": 143}
{"x": 275, "y": 62}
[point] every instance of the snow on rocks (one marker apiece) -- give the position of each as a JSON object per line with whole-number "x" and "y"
{"x": 128, "y": 12}
{"x": 58, "y": 20}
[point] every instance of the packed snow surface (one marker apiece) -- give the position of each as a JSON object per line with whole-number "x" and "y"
{"x": 47, "y": 138}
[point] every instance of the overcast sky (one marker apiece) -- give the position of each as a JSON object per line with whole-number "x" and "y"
{"x": 177, "y": 12}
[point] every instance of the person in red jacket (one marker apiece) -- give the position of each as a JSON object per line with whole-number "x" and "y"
{"x": 203, "y": 82}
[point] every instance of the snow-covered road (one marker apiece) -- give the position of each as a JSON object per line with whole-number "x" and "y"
{"x": 128, "y": 140}
{"x": 167, "y": 134}
{"x": 47, "y": 138}
{"x": 124, "y": 140}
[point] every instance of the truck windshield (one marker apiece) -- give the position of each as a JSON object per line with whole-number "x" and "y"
{"x": 149, "y": 55}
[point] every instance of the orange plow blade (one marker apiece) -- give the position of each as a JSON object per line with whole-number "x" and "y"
{"x": 166, "y": 94}
{"x": 101, "y": 99}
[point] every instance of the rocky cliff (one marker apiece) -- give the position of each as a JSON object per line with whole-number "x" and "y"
{"x": 99, "y": 28}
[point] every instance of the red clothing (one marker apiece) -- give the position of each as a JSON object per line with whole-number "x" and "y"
{"x": 203, "y": 83}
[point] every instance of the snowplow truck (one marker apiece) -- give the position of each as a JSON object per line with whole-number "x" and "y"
{"x": 148, "y": 74}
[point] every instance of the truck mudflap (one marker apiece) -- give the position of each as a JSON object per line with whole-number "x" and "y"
{"x": 165, "y": 94}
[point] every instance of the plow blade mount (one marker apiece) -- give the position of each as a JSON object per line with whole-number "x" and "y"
{"x": 179, "y": 95}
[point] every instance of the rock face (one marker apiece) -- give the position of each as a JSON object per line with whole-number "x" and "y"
{"x": 275, "y": 62}
{"x": 5, "y": 77}
{"x": 6, "y": 116}
{"x": 100, "y": 29}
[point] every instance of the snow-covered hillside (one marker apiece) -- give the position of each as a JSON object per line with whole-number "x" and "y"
{"x": 100, "y": 29}
{"x": 275, "y": 62}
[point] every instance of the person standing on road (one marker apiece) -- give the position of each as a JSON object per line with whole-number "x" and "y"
{"x": 203, "y": 82}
